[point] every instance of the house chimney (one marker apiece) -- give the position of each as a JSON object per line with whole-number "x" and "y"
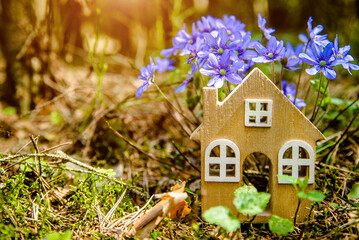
{"x": 210, "y": 98}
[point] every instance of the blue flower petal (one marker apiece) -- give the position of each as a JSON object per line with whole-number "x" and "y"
{"x": 168, "y": 52}
{"x": 223, "y": 37}
{"x": 350, "y": 66}
{"x": 212, "y": 81}
{"x": 237, "y": 65}
{"x": 219, "y": 82}
{"x": 344, "y": 50}
{"x": 272, "y": 44}
{"x": 234, "y": 78}
{"x": 141, "y": 89}
{"x": 303, "y": 37}
{"x": 328, "y": 52}
{"x": 318, "y": 29}
{"x": 203, "y": 54}
{"x": 314, "y": 70}
{"x": 212, "y": 60}
{"x": 329, "y": 73}
{"x": 211, "y": 41}
{"x": 182, "y": 86}
{"x": 224, "y": 59}
{"x": 260, "y": 48}
{"x": 307, "y": 59}
{"x": 299, "y": 103}
{"x": 261, "y": 59}
{"x": 249, "y": 54}
{"x": 208, "y": 72}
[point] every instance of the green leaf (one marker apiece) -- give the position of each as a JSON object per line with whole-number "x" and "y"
{"x": 337, "y": 101}
{"x": 323, "y": 147}
{"x": 280, "y": 226}
{"x": 67, "y": 235}
{"x": 250, "y": 202}
{"x": 354, "y": 193}
{"x": 221, "y": 216}
{"x": 325, "y": 103}
{"x": 244, "y": 189}
{"x": 303, "y": 184}
{"x": 288, "y": 179}
{"x": 315, "y": 84}
{"x": 315, "y": 196}
{"x": 302, "y": 195}
{"x": 9, "y": 111}
{"x": 221, "y": 94}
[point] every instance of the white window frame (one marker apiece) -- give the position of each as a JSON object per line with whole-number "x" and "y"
{"x": 222, "y": 160}
{"x": 295, "y": 161}
{"x": 258, "y": 113}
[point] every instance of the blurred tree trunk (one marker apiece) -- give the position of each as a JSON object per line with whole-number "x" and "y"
{"x": 18, "y": 25}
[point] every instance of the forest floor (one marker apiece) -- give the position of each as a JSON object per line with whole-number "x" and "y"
{"x": 53, "y": 159}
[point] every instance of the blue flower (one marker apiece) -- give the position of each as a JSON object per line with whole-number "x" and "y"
{"x": 216, "y": 45}
{"x": 262, "y": 25}
{"x": 291, "y": 57}
{"x": 184, "y": 84}
{"x": 181, "y": 41}
{"x": 240, "y": 47}
{"x": 192, "y": 51}
{"x": 274, "y": 51}
{"x": 289, "y": 91}
{"x": 146, "y": 76}
{"x": 221, "y": 70}
{"x": 314, "y": 36}
{"x": 208, "y": 24}
{"x": 342, "y": 54}
{"x": 321, "y": 59}
{"x": 164, "y": 65}
{"x": 232, "y": 26}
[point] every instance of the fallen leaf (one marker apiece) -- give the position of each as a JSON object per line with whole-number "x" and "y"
{"x": 178, "y": 188}
{"x": 180, "y": 211}
{"x": 146, "y": 223}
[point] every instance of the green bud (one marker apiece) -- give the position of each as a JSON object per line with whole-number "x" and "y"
{"x": 322, "y": 63}
{"x": 220, "y": 51}
{"x": 222, "y": 72}
{"x": 270, "y": 55}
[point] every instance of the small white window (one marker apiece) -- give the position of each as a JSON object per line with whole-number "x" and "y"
{"x": 222, "y": 161}
{"x": 258, "y": 113}
{"x": 296, "y": 158}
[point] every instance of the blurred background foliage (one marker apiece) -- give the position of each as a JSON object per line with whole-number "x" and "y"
{"x": 34, "y": 33}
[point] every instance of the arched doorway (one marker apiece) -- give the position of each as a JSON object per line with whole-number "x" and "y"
{"x": 256, "y": 172}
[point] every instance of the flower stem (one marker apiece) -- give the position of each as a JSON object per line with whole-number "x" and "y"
{"x": 170, "y": 103}
{"x": 296, "y": 211}
{"x": 273, "y": 74}
{"x": 227, "y": 89}
{"x": 200, "y": 76}
{"x": 316, "y": 101}
{"x": 298, "y": 83}
{"x": 300, "y": 75}
{"x": 321, "y": 100}
{"x": 281, "y": 77}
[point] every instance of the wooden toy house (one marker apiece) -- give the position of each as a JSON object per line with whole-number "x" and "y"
{"x": 258, "y": 120}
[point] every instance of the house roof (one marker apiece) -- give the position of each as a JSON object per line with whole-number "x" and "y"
{"x": 256, "y": 79}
